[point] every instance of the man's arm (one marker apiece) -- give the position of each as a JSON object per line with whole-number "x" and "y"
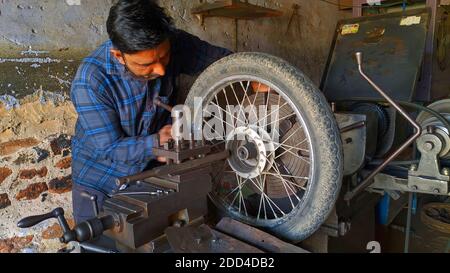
{"x": 101, "y": 124}
{"x": 195, "y": 54}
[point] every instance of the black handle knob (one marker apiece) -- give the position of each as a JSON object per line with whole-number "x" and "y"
{"x": 93, "y": 228}
{"x": 34, "y": 220}
{"x": 83, "y": 232}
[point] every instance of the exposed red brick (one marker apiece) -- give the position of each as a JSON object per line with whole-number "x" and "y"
{"x": 60, "y": 143}
{"x": 42, "y": 172}
{"x": 27, "y": 174}
{"x": 57, "y": 145}
{"x": 30, "y": 174}
{"x": 61, "y": 185}
{"x": 15, "y": 244}
{"x": 4, "y": 173}
{"x": 33, "y": 191}
{"x": 64, "y": 163}
{"x": 55, "y": 148}
{"x": 10, "y": 147}
{"x": 55, "y": 231}
{"x": 4, "y": 201}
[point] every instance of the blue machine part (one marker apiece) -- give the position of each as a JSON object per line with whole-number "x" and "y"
{"x": 383, "y": 208}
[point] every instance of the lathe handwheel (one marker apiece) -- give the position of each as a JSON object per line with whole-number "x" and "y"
{"x": 283, "y": 178}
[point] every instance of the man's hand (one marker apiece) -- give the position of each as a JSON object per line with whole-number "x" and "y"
{"x": 165, "y": 134}
{"x": 260, "y": 88}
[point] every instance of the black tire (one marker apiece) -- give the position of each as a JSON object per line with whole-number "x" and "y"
{"x": 302, "y": 222}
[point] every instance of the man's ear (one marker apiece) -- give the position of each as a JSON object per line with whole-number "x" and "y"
{"x": 118, "y": 55}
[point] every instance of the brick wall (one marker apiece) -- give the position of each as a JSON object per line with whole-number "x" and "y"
{"x": 34, "y": 174}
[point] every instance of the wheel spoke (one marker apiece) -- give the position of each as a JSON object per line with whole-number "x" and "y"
{"x": 288, "y": 176}
{"x": 234, "y": 200}
{"x": 290, "y": 182}
{"x": 285, "y": 188}
{"x": 268, "y": 198}
{"x": 235, "y": 189}
{"x": 221, "y": 114}
{"x": 228, "y": 103}
{"x": 235, "y": 120}
{"x": 239, "y": 195}
{"x": 273, "y": 152}
{"x": 262, "y": 200}
{"x": 248, "y": 99}
{"x": 239, "y": 192}
{"x": 289, "y": 150}
{"x": 271, "y": 113}
{"x": 232, "y": 126}
{"x": 237, "y": 101}
{"x": 260, "y": 204}
{"x": 267, "y": 110}
{"x": 230, "y": 193}
{"x": 277, "y": 127}
{"x": 245, "y": 89}
{"x": 286, "y": 117}
{"x": 288, "y": 146}
{"x": 227, "y": 112}
{"x": 296, "y": 155}
{"x": 215, "y": 133}
{"x": 243, "y": 202}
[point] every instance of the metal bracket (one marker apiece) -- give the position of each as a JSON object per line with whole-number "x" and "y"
{"x": 392, "y": 183}
{"x": 427, "y": 176}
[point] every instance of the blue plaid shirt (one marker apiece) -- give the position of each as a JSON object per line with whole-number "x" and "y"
{"x": 117, "y": 119}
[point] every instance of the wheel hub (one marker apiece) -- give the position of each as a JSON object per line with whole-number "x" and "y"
{"x": 251, "y": 151}
{"x": 247, "y": 151}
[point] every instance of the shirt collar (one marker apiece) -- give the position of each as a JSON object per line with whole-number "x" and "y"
{"x": 113, "y": 66}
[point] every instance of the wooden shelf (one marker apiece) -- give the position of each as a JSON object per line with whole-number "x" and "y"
{"x": 234, "y": 9}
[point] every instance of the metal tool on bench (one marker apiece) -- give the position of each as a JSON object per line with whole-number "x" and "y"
{"x": 138, "y": 214}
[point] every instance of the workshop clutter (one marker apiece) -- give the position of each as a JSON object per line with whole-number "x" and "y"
{"x": 35, "y": 171}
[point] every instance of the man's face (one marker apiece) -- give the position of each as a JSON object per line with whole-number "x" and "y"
{"x": 147, "y": 64}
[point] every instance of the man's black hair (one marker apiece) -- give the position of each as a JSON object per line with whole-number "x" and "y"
{"x": 136, "y": 25}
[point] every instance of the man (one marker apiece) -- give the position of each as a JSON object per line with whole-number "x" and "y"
{"x": 114, "y": 91}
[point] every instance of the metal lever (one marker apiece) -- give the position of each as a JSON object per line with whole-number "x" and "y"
{"x": 57, "y": 213}
{"x": 34, "y": 220}
{"x": 93, "y": 198}
{"x": 369, "y": 180}
{"x": 151, "y": 193}
{"x": 81, "y": 233}
{"x": 159, "y": 103}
